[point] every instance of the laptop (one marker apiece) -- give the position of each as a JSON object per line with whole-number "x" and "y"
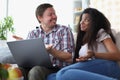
{"x": 29, "y": 53}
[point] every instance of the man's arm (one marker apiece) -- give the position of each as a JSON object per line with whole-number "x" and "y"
{"x": 17, "y": 37}
{"x": 67, "y": 47}
{"x": 61, "y": 55}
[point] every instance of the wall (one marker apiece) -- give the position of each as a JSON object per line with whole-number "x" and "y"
{"x": 111, "y": 9}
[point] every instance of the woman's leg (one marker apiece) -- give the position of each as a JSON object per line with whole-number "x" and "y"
{"x": 75, "y": 74}
{"x": 51, "y": 76}
{"x": 104, "y": 67}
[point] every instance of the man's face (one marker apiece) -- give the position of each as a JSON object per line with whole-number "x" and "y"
{"x": 49, "y": 18}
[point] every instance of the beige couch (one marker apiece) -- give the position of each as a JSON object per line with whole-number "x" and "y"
{"x": 117, "y": 36}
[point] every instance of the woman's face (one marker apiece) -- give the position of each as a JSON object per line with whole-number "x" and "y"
{"x": 85, "y": 22}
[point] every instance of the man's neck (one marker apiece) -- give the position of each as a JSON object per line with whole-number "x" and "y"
{"x": 47, "y": 29}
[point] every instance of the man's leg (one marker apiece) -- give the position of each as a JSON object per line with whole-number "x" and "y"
{"x": 25, "y": 73}
{"x": 39, "y": 73}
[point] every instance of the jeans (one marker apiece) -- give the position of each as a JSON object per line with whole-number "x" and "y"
{"x": 96, "y": 69}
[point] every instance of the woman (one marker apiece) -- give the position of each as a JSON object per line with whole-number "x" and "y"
{"x": 96, "y": 54}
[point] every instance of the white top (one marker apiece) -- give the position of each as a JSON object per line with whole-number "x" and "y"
{"x": 101, "y": 48}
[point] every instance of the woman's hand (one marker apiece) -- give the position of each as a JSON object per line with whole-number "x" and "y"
{"x": 89, "y": 55}
{"x": 81, "y": 59}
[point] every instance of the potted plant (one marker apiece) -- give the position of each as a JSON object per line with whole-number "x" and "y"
{"x": 6, "y": 25}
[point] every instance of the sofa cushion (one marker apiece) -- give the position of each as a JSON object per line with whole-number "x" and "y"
{"x": 5, "y": 54}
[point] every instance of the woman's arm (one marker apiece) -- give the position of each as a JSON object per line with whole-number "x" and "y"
{"x": 113, "y": 52}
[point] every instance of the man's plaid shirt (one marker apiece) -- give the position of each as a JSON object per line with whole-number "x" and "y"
{"x": 61, "y": 37}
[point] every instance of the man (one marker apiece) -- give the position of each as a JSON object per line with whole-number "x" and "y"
{"x": 57, "y": 38}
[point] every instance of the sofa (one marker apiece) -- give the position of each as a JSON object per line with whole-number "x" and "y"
{"x": 5, "y": 54}
{"x": 117, "y": 36}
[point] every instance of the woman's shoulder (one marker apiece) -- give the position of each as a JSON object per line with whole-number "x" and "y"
{"x": 102, "y": 34}
{"x": 101, "y": 31}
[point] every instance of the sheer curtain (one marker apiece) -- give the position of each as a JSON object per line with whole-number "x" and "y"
{"x": 3, "y": 8}
{"x": 23, "y": 13}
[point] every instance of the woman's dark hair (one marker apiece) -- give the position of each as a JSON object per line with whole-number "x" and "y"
{"x": 98, "y": 21}
{"x": 41, "y": 9}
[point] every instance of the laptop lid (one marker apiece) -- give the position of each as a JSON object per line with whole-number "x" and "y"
{"x": 29, "y": 53}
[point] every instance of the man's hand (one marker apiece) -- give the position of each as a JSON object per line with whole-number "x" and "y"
{"x": 48, "y": 47}
{"x": 17, "y": 37}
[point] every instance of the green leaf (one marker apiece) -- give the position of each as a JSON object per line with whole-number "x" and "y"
{"x": 6, "y": 26}
{"x": 4, "y": 73}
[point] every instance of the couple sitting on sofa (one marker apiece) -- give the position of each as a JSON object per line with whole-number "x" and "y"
{"x": 95, "y": 56}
